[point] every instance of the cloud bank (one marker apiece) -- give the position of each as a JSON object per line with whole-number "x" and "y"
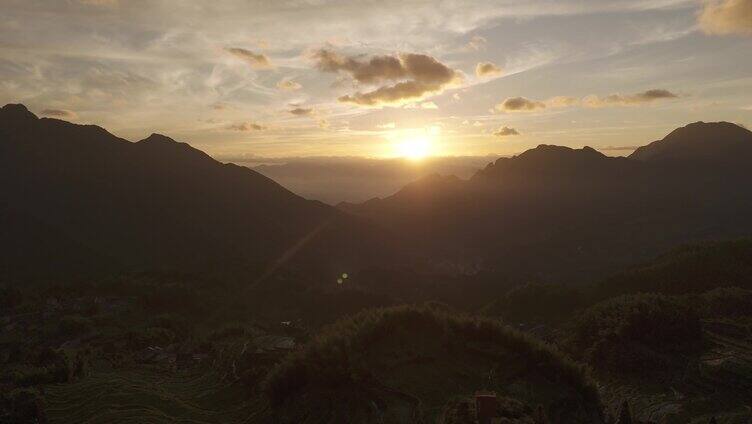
{"x": 522, "y": 104}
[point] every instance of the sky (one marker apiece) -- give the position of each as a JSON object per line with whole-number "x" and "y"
{"x": 249, "y": 79}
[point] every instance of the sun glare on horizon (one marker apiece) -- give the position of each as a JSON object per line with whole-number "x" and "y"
{"x": 415, "y": 144}
{"x": 414, "y": 147}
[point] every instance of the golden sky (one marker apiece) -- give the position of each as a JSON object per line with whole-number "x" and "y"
{"x": 381, "y": 78}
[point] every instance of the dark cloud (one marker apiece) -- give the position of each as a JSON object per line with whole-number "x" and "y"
{"x": 727, "y": 17}
{"x": 391, "y": 94}
{"x": 373, "y": 70}
{"x": 505, "y": 132}
{"x": 256, "y": 60}
{"x": 247, "y": 126}
{"x": 519, "y": 104}
{"x": 414, "y": 75}
{"x": 487, "y": 69}
{"x": 301, "y": 111}
{"x": 628, "y": 99}
{"x": 60, "y": 113}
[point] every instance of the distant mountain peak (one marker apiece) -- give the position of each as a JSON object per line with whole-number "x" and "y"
{"x": 554, "y": 156}
{"x": 699, "y": 141}
{"x": 17, "y": 111}
{"x": 551, "y": 150}
{"x": 550, "y": 161}
{"x": 157, "y": 138}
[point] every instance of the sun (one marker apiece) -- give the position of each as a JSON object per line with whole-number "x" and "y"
{"x": 414, "y": 147}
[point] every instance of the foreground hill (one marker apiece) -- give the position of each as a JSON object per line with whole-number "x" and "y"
{"x": 408, "y": 364}
{"x": 554, "y": 212}
{"x": 77, "y": 198}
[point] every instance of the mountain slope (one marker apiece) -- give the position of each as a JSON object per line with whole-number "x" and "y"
{"x": 160, "y": 204}
{"x": 553, "y": 212}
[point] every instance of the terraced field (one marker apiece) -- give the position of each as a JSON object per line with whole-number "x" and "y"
{"x": 717, "y": 384}
{"x": 156, "y": 396}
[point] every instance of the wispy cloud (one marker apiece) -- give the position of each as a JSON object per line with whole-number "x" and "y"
{"x": 247, "y": 127}
{"x": 522, "y": 104}
{"x": 476, "y": 43}
{"x": 288, "y": 85}
{"x": 60, "y": 113}
{"x": 256, "y": 60}
{"x": 628, "y": 99}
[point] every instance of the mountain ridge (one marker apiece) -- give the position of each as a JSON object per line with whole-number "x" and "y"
{"x": 161, "y": 204}
{"x": 554, "y": 211}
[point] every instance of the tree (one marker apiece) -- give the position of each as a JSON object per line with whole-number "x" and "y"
{"x": 625, "y": 414}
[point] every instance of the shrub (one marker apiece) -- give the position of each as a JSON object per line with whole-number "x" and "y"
{"x": 635, "y": 331}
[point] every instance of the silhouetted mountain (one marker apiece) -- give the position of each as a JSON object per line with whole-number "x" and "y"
{"x": 554, "y": 211}
{"x": 718, "y": 143}
{"x": 80, "y": 193}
